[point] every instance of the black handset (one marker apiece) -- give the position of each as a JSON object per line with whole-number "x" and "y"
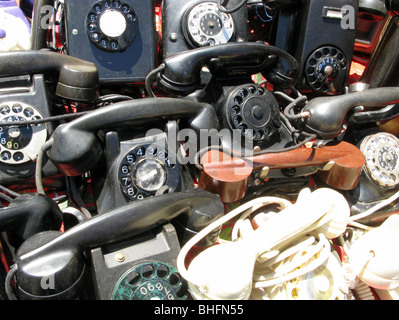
{"x": 125, "y": 222}
{"x": 77, "y": 79}
{"x": 117, "y": 35}
{"x": 76, "y": 147}
{"x": 29, "y": 214}
{"x": 182, "y": 72}
{"x": 191, "y": 24}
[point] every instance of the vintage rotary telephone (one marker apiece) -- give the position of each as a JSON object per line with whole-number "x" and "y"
{"x": 136, "y": 166}
{"x": 76, "y": 148}
{"x": 240, "y": 103}
{"x": 118, "y": 36}
{"x": 141, "y": 253}
{"x": 191, "y": 24}
{"x": 139, "y": 167}
{"x": 26, "y": 97}
{"x": 144, "y": 223}
{"x": 319, "y": 35}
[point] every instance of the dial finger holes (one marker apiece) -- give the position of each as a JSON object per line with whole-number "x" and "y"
{"x": 235, "y": 110}
{"x": 148, "y": 271}
{"x": 162, "y": 271}
{"x": 174, "y": 279}
{"x": 326, "y": 51}
{"x": 133, "y": 278}
{"x": 238, "y": 100}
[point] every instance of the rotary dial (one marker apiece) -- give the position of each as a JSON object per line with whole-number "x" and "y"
{"x": 20, "y": 143}
{"x": 151, "y": 281}
{"x": 142, "y": 171}
{"x": 382, "y": 153}
{"x": 206, "y": 25}
{"x": 112, "y": 25}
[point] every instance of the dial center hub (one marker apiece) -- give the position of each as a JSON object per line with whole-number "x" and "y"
{"x": 112, "y": 23}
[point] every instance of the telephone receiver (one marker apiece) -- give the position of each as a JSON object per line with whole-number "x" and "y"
{"x": 77, "y": 79}
{"x": 182, "y": 72}
{"x": 29, "y": 214}
{"x": 327, "y": 114}
{"x": 226, "y": 269}
{"x": 229, "y": 176}
{"x": 61, "y": 254}
{"x": 76, "y": 149}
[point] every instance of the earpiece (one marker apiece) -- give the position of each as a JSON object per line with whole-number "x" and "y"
{"x": 77, "y": 79}
{"x": 76, "y": 148}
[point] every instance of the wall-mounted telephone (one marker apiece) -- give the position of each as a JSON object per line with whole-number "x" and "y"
{"x": 117, "y": 35}
{"x": 182, "y": 72}
{"x": 325, "y": 42}
{"x": 192, "y": 24}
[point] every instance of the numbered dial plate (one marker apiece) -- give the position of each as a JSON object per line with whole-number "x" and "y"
{"x": 206, "y": 25}
{"x": 112, "y": 25}
{"x": 253, "y": 111}
{"x": 325, "y": 69}
{"x": 142, "y": 171}
{"x": 150, "y": 281}
{"x": 20, "y": 144}
{"x": 382, "y": 158}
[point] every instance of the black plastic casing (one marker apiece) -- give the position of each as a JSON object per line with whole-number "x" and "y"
{"x": 129, "y": 65}
{"x": 28, "y": 214}
{"x": 173, "y": 12}
{"x": 308, "y": 27}
{"x": 32, "y": 91}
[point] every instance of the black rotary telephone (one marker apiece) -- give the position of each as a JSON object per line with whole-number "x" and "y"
{"x": 26, "y": 97}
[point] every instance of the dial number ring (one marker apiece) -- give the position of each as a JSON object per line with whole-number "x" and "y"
{"x": 20, "y": 143}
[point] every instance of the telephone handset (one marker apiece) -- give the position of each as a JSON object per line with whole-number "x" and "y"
{"x": 76, "y": 148}
{"x": 77, "y": 79}
{"x": 182, "y": 72}
{"x": 191, "y": 24}
{"x": 119, "y": 227}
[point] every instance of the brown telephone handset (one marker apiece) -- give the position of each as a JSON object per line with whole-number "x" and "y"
{"x": 340, "y": 166}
